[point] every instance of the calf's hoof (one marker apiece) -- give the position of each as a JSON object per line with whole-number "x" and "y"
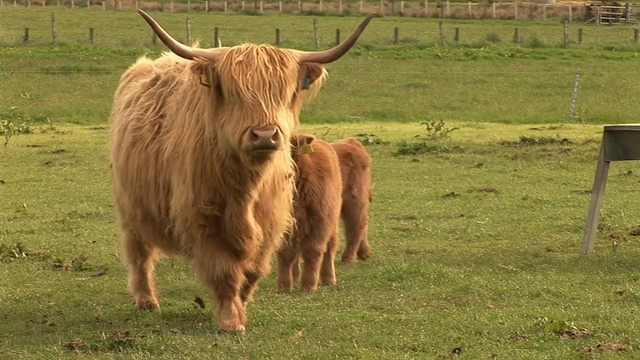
{"x": 236, "y": 330}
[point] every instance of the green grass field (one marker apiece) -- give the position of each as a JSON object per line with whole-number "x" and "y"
{"x": 476, "y": 245}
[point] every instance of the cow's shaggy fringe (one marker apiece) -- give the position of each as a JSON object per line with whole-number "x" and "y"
{"x": 182, "y": 180}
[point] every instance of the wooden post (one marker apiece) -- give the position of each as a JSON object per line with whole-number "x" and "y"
{"x": 381, "y": 6}
{"x": 443, "y": 41}
{"x": 279, "y": 6}
{"x": 447, "y": 9}
{"x": 25, "y": 38}
{"x": 320, "y": 6}
{"x": 216, "y": 37}
{"x": 299, "y": 7}
{"x": 470, "y": 13}
{"x": 154, "y": 38}
{"x": 597, "y": 195}
{"x": 598, "y": 15}
{"x": 316, "y": 35}
{"x": 337, "y": 37}
{"x": 277, "y": 37}
{"x": 457, "y": 35}
{"x": 340, "y": 7}
{"x": 580, "y": 33}
{"x": 91, "y": 36}
{"x": 188, "y": 26}
{"x": 396, "y": 35}
{"x": 516, "y": 35}
{"x": 426, "y": 8}
{"x": 188, "y": 5}
{"x": 225, "y": 7}
{"x": 515, "y": 10}
{"x": 565, "y": 33}
{"x": 544, "y": 12}
{"x": 261, "y": 6}
{"x": 627, "y": 13}
{"x": 570, "y": 13}
{"x": 54, "y": 31}
{"x": 171, "y": 6}
{"x": 402, "y": 7}
{"x": 636, "y": 35}
{"x": 361, "y": 6}
{"x": 493, "y": 10}
{"x": 104, "y": 6}
{"x": 72, "y": 4}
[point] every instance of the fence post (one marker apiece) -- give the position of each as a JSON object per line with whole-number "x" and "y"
{"x": 636, "y": 35}
{"x": 299, "y": 7}
{"x": 570, "y": 13}
{"x": 426, "y": 8}
{"x": 316, "y": 35}
{"x": 516, "y": 35}
{"x": 598, "y": 15}
{"x": 54, "y": 31}
{"x": 402, "y": 7}
{"x": 154, "y": 38}
{"x": 580, "y": 36}
{"x": 470, "y": 13}
{"x": 627, "y": 13}
{"x": 457, "y": 35}
{"x": 320, "y": 3}
{"x": 381, "y": 6}
{"x": 279, "y": 6}
{"x": 188, "y": 26}
{"x": 91, "y": 36}
{"x": 493, "y": 10}
{"x": 565, "y": 34}
{"x": 277, "y": 37}
{"x": 340, "y": 7}
{"x": 261, "y": 6}
{"x": 447, "y": 9}
{"x": 225, "y": 7}
{"x": 25, "y": 38}
{"x": 72, "y": 4}
{"x": 574, "y": 95}
{"x": 515, "y": 10}
{"x": 544, "y": 12}
{"x": 396, "y": 34}
{"x": 337, "y": 37}
{"x": 442, "y": 38}
{"x": 361, "y": 6}
{"x": 216, "y": 38}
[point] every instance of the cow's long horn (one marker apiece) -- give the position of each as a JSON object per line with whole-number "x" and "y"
{"x": 331, "y": 55}
{"x": 175, "y": 46}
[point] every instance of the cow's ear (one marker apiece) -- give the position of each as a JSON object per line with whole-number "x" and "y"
{"x": 310, "y": 73}
{"x": 307, "y": 139}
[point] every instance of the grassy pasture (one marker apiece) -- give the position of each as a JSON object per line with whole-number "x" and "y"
{"x": 475, "y": 249}
{"x": 484, "y": 78}
{"x": 475, "y": 254}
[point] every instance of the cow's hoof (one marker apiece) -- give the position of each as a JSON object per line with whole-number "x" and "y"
{"x": 239, "y": 330}
{"x": 147, "y": 305}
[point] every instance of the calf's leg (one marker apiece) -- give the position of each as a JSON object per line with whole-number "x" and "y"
{"x": 140, "y": 258}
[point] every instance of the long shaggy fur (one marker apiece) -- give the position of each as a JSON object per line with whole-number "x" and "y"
{"x": 184, "y": 179}
{"x": 317, "y": 212}
{"x": 355, "y": 168}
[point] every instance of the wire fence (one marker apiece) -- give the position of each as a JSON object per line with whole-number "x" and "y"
{"x": 535, "y": 10}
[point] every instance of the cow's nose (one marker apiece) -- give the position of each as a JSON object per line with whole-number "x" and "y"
{"x": 266, "y": 138}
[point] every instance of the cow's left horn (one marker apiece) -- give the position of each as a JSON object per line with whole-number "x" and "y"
{"x": 331, "y": 55}
{"x": 175, "y": 46}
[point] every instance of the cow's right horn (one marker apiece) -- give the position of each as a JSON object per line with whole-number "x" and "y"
{"x": 175, "y": 46}
{"x": 331, "y": 55}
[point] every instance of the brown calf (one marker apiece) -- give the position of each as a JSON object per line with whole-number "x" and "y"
{"x": 317, "y": 213}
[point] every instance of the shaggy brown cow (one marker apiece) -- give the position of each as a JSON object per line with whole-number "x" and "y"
{"x": 201, "y": 162}
{"x": 317, "y": 212}
{"x": 355, "y": 167}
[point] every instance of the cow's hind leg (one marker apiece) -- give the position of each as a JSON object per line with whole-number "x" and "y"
{"x": 140, "y": 259}
{"x": 328, "y": 270}
{"x": 287, "y": 259}
{"x": 355, "y": 218}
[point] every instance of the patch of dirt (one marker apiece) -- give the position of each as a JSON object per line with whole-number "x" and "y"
{"x": 450, "y": 195}
{"x": 575, "y": 333}
{"x": 486, "y": 191}
{"x": 635, "y": 232}
{"x": 602, "y": 348}
{"x": 530, "y": 141}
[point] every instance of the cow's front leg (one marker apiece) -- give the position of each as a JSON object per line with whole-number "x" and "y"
{"x": 224, "y": 280}
{"x": 140, "y": 259}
